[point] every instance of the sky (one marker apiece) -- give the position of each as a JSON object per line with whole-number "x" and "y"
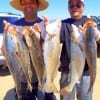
{"x": 57, "y": 8}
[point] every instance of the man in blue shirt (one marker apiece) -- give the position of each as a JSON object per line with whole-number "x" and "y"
{"x": 30, "y": 10}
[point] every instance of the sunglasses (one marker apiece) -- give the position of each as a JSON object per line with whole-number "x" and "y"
{"x": 72, "y": 5}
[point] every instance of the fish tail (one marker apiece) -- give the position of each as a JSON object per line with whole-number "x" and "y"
{"x": 50, "y": 87}
{"x": 30, "y": 86}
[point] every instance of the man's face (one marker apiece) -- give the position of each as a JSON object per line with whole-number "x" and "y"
{"x": 29, "y": 7}
{"x": 76, "y": 8}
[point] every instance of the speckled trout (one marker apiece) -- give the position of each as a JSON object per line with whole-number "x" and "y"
{"x": 24, "y": 57}
{"x": 12, "y": 60}
{"x": 77, "y": 62}
{"x": 92, "y": 34}
{"x": 51, "y": 52}
{"x": 33, "y": 43}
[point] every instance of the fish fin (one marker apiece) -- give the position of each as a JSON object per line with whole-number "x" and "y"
{"x": 40, "y": 86}
{"x": 91, "y": 83}
{"x": 65, "y": 90}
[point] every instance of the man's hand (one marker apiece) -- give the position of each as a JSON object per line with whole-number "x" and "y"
{"x": 6, "y": 25}
{"x": 46, "y": 20}
{"x": 82, "y": 29}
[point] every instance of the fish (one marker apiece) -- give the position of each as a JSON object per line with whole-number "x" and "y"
{"x": 77, "y": 61}
{"x": 17, "y": 55}
{"x": 12, "y": 60}
{"x": 51, "y": 53}
{"x": 22, "y": 53}
{"x": 92, "y": 34}
{"x": 36, "y": 53}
